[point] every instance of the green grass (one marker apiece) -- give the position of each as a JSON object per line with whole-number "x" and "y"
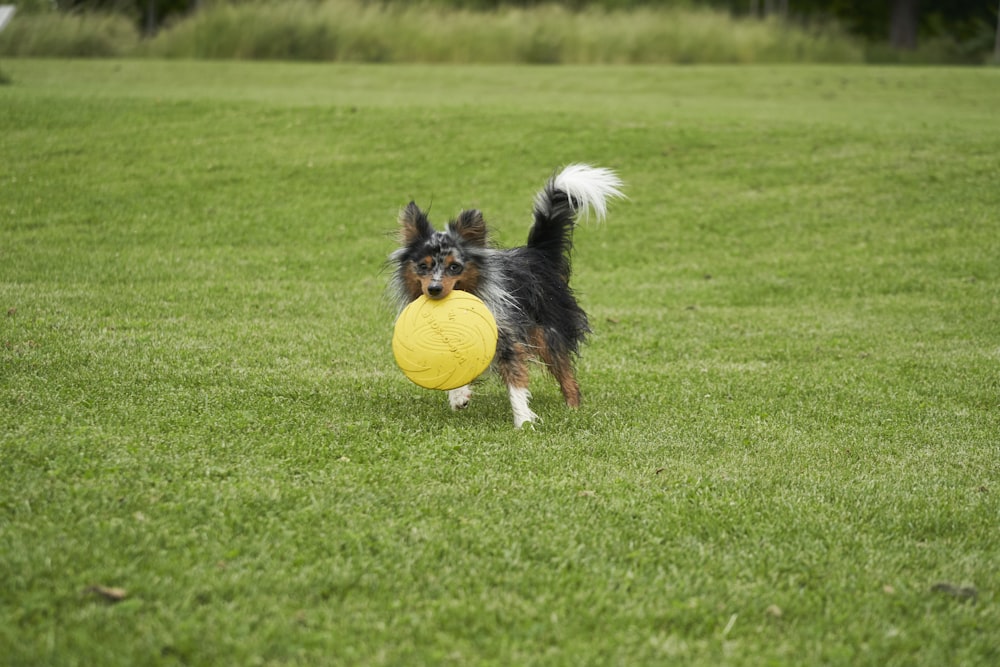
{"x": 791, "y": 401}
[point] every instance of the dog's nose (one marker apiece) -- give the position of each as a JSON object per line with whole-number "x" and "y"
{"x": 434, "y": 289}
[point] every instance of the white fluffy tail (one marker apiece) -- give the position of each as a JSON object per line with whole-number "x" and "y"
{"x": 589, "y": 188}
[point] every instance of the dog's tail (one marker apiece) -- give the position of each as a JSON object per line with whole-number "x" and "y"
{"x": 576, "y": 189}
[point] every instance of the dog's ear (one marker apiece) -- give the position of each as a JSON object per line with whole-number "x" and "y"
{"x": 415, "y": 224}
{"x": 471, "y": 227}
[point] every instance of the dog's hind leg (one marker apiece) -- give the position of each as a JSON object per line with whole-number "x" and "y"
{"x": 560, "y": 365}
{"x": 563, "y": 371}
{"x": 459, "y": 398}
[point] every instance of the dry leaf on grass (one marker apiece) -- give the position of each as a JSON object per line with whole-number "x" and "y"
{"x": 109, "y": 593}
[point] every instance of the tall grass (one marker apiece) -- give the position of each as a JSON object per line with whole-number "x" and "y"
{"x": 354, "y": 31}
{"x": 59, "y": 35}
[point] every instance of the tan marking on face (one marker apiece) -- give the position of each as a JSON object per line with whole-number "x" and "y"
{"x": 412, "y": 281}
{"x": 468, "y": 280}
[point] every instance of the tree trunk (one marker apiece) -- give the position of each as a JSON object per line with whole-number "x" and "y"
{"x": 772, "y": 7}
{"x": 903, "y": 24}
{"x": 996, "y": 42}
{"x": 150, "y": 18}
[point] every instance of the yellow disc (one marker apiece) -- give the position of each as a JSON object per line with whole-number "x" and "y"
{"x": 445, "y": 343}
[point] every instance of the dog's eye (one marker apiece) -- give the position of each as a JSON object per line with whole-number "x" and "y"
{"x": 423, "y": 267}
{"x": 455, "y": 269}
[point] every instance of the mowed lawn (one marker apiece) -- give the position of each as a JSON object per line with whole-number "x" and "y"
{"x": 789, "y": 447}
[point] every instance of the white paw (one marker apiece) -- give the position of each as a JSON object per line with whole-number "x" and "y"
{"x": 520, "y": 420}
{"x": 459, "y": 398}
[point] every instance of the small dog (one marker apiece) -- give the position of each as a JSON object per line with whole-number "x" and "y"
{"x": 526, "y": 288}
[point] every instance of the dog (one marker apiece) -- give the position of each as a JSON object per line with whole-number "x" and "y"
{"x": 526, "y": 288}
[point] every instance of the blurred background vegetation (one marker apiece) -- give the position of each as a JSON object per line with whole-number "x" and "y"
{"x": 566, "y": 31}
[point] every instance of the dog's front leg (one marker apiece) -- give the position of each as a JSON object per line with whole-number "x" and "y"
{"x": 512, "y": 363}
{"x": 459, "y": 398}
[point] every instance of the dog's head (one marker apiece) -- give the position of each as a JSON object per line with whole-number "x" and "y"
{"x": 434, "y": 263}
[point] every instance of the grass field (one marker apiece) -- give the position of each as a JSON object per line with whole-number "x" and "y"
{"x": 789, "y": 448}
